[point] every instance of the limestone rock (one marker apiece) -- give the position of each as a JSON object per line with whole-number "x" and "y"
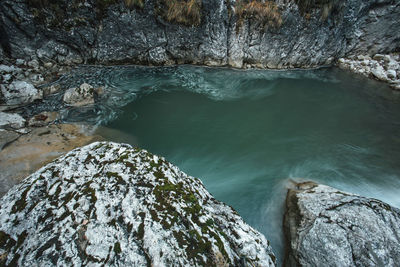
{"x": 379, "y": 73}
{"x": 391, "y": 74}
{"x": 11, "y": 120}
{"x": 111, "y": 204}
{"x": 20, "y": 92}
{"x": 79, "y": 96}
{"x": 327, "y": 227}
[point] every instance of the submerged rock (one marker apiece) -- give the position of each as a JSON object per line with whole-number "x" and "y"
{"x": 80, "y": 96}
{"x": 111, "y": 204}
{"x": 327, "y": 227}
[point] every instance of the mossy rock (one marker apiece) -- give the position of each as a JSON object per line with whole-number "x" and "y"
{"x": 111, "y": 204}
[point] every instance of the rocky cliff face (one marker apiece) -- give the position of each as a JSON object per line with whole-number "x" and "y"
{"x": 105, "y": 31}
{"x": 110, "y": 204}
{"x": 327, "y": 227}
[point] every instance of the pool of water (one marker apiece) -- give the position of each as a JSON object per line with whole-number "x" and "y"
{"x": 248, "y": 134}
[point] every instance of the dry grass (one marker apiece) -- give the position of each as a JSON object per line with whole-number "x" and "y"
{"x": 187, "y": 12}
{"x": 327, "y": 7}
{"x": 134, "y": 3}
{"x": 266, "y": 13}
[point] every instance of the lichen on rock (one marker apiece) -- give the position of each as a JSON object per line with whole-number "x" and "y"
{"x": 108, "y": 203}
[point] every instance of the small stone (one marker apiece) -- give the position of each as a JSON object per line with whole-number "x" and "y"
{"x": 378, "y": 57}
{"x": 48, "y": 65}
{"x": 391, "y": 74}
{"x": 33, "y": 64}
{"x": 379, "y": 73}
{"x": 360, "y": 57}
{"x": 79, "y": 96}
{"x": 20, "y": 62}
{"x": 11, "y": 120}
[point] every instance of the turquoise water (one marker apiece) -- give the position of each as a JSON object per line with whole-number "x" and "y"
{"x": 248, "y": 134}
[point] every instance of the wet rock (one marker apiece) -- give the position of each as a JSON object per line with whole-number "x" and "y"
{"x": 20, "y": 92}
{"x": 80, "y": 96}
{"x": 43, "y": 119}
{"x": 328, "y": 227}
{"x": 38, "y": 147}
{"x": 7, "y": 137}
{"x": 54, "y": 88}
{"x": 111, "y": 204}
{"x": 11, "y": 120}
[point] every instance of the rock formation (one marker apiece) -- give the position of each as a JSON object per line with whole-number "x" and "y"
{"x": 327, "y": 227}
{"x": 111, "y": 204}
{"x": 309, "y": 33}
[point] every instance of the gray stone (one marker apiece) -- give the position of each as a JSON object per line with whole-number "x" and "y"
{"x": 379, "y": 73}
{"x": 306, "y": 38}
{"x": 378, "y": 57}
{"x": 11, "y": 120}
{"x": 20, "y": 92}
{"x": 328, "y": 227}
{"x": 391, "y": 74}
{"x": 111, "y": 204}
{"x": 7, "y": 137}
{"x": 79, "y": 96}
{"x": 33, "y": 64}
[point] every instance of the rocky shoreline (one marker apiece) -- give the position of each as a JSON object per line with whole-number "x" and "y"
{"x": 384, "y": 68}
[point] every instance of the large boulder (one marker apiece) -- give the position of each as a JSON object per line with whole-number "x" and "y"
{"x": 328, "y": 227}
{"x": 111, "y": 204}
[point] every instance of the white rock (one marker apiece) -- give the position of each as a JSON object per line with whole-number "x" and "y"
{"x": 365, "y": 62}
{"x": 387, "y": 58}
{"x": 11, "y": 120}
{"x": 391, "y": 74}
{"x": 379, "y": 73}
{"x": 112, "y": 204}
{"x": 20, "y": 92}
{"x": 79, "y": 96}
{"x": 20, "y": 62}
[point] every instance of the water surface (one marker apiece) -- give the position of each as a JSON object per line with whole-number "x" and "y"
{"x": 247, "y": 134}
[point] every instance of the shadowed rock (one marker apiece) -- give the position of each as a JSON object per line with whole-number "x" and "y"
{"x": 327, "y": 227}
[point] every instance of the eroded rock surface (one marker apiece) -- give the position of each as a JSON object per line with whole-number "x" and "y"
{"x": 312, "y": 33}
{"x": 111, "y": 204}
{"x": 327, "y": 227}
